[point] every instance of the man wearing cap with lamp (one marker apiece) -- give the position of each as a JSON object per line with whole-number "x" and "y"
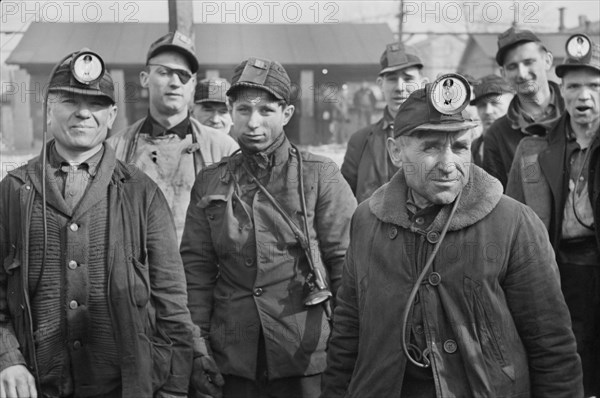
{"x": 558, "y": 176}
{"x": 524, "y": 63}
{"x": 367, "y": 165}
{"x": 449, "y": 288}
{"x": 169, "y": 145}
{"x": 210, "y": 104}
{"x": 492, "y": 98}
{"x": 99, "y": 308}
{"x": 263, "y": 247}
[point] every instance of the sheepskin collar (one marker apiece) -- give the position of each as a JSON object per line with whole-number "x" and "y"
{"x": 479, "y": 197}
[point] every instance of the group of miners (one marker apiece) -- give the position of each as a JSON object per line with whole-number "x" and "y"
{"x": 200, "y": 253}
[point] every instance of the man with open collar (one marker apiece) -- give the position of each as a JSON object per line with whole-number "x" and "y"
{"x": 558, "y": 176}
{"x": 537, "y": 105}
{"x": 263, "y": 246}
{"x": 366, "y": 164}
{"x": 168, "y": 144}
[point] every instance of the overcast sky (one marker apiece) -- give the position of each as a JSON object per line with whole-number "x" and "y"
{"x": 421, "y": 16}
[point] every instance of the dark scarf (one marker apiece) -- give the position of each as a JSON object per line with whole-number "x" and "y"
{"x": 263, "y": 159}
{"x": 519, "y": 120}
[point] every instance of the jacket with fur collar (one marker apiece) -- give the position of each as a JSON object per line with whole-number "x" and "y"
{"x": 496, "y": 323}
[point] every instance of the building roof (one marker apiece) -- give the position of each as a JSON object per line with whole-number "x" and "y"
{"x": 123, "y": 45}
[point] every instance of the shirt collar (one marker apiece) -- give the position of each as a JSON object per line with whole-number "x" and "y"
{"x": 155, "y": 129}
{"x": 90, "y": 165}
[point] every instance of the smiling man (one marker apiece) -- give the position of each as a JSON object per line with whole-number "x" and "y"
{"x": 449, "y": 289}
{"x": 210, "y": 104}
{"x": 367, "y": 165}
{"x": 263, "y": 247}
{"x": 168, "y": 144}
{"x": 92, "y": 291}
{"x": 537, "y": 105}
{"x": 558, "y": 176}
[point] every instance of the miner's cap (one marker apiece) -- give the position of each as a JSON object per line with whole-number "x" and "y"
{"x": 582, "y": 52}
{"x": 83, "y": 72}
{"x": 490, "y": 85}
{"x": 263, "y": 74}
{"x": 178, "y": 42}
{"x": 211, "y": 90}
{"x": 395, "y": 57}
{"x": 440, "y": 106}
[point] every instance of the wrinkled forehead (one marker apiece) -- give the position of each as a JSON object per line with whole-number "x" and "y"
{"x": 439, "y": 136}
{"x": 172, "y": 59}
{"x": 410, "y": 72}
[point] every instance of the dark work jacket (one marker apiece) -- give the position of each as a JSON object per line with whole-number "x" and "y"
{"x": 539, "y": 177}
{"x": 366, "y": 164}
{"x": 246, "y": 271}
{"x": 146, "y": 286}
{"x": 495, "y": 321}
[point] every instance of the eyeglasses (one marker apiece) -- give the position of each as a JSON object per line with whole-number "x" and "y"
{"x": 184, "y": 75}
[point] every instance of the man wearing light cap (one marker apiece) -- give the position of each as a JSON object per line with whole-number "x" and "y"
{"x": 263, "y": 246}
{"x": 492, "y": 98}
{"x": 367, "y": 165}
{"x": 92, "y": 291}
{"x": 210, "y": 104}
{"x": 558, "y": 176}
{"x": 168, "y": 144}
{"x": 524, "y": 63}
{"x": 450, "y": 288}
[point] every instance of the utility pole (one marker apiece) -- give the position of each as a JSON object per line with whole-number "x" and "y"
{"x": 401, "y": 21}
{"x": 181, "y": 17}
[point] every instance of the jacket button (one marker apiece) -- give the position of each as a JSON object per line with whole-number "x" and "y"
{"x": 73, "y": 304}
{"x": 434, "y": 279}
{"x": 393, "y": 232}
{"x": 419, "y": 329}
{"x": 72, "y": 264}
{"x": 420, "y": 220}
{"x": 249, "y": 261}
{"x": 450, "y": 346}
{"x": 28, "y": 187}
{"x": 73, "y": 227}
{"x": 76, "y": 344}
{"x": 258, "y": 292}
{"x": 211, "y": 217}
{"x": 433, "y": 237}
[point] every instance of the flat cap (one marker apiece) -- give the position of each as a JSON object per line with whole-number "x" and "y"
{"x": 211, "y": 90}
{"x": 262, "y": 74}
{"x": 396, "y": 58}
{"x": 178, "y": 42}
{"x": 510, "y": 38}
{"x": 490, "y": 85}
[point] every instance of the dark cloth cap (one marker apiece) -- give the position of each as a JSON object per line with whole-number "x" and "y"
{"x": 262, "y": 74}
{"x": 178, "y": 42}
{"x": 510, "y": 38}
{"x": 582, "y": 52}
{"x": 419, "y": 112}
{"x": 395, "y": 58}
{"x": 490, "y": 85}
{"x": 63, "y": 80}
{"x": 211, "y": 90}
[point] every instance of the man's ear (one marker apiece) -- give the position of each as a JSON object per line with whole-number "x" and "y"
{"x": 144, "y": 78}
{"x": 379, "y": 81}
{"x": 549, "y": 59}
{"x": 394, "y": 148}
{"x": 288, "y": 112}
{"x": 112, "y": 115}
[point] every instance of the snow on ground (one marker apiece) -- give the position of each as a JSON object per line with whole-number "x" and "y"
{"x": 12, "y": 160}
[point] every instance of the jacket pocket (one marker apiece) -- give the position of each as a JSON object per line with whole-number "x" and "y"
{"x": 161, "y": 352}
{"x": 140, "y": 283}
{"x": 492, "y": 346}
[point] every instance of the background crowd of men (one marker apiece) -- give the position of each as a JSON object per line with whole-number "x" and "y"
{"x": 200, "y": 253}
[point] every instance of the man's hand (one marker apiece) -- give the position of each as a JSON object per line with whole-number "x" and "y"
{"x": 17, "y": 382}
{"x": 206, "y": 377}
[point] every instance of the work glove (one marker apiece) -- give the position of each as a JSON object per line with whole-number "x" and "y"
{"x": 206, "y": 377}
